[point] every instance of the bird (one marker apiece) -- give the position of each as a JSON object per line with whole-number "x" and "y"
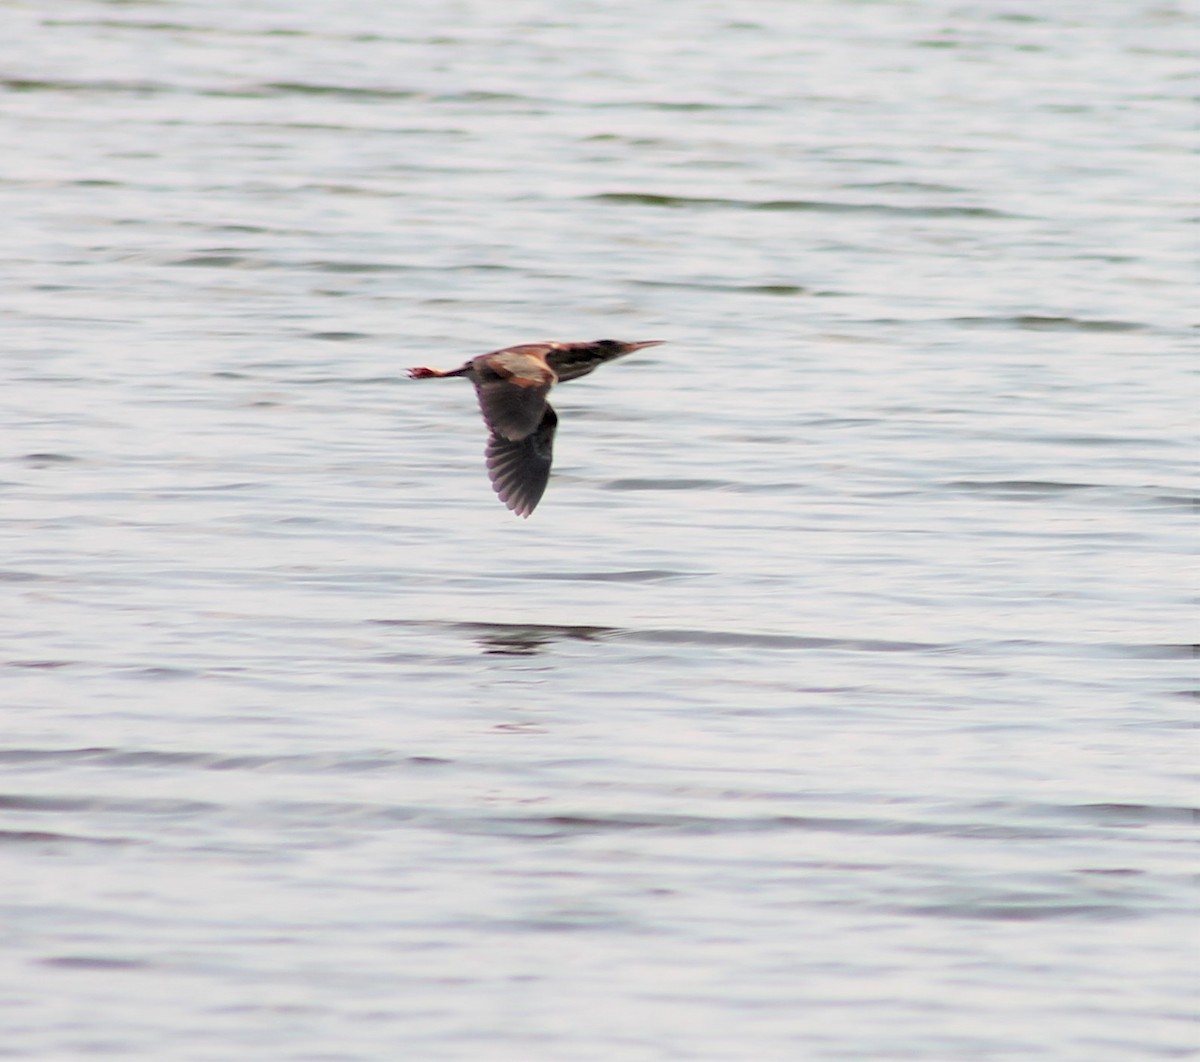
{"x": 512, "y": 385}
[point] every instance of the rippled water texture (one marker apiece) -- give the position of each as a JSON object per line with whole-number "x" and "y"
{"x": 836, "y": 703}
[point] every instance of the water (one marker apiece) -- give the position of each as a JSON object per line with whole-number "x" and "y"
{"x": 835, "y": 703}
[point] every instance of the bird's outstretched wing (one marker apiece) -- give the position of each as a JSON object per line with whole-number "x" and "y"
{"x": 520, "y": 468}
{"x": 512, "y": 386}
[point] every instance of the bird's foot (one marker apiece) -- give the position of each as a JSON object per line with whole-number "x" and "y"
{"x": 422, "y": 373}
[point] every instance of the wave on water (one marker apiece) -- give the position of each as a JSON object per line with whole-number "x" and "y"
{"x": 737, "y": 289}
{"x": 1047, "y": 323}
{"x": 537, "y": 635}
{"x": 22, "y": 84}
{"x": 668, "y": 484}
{"x": 158, "y": 759}
{"x": 804, "y": 205}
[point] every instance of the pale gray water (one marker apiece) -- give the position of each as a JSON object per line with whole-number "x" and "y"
{"x": 836, "y": 702}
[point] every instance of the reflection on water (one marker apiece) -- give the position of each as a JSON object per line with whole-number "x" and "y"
{"x": 513, "y": 639}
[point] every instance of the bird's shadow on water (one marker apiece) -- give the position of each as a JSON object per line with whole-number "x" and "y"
{"x": 526, "y": 639}
{"x": 516, "y": 639}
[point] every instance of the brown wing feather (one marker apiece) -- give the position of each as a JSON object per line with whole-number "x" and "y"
{"x": 512, "y": 386}
{"x": 520, "y": 468}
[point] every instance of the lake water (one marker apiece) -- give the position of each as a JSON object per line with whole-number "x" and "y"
{"x": 836, "y": 703}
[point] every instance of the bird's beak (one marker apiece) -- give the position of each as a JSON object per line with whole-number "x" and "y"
{"x": 645, "y": 343}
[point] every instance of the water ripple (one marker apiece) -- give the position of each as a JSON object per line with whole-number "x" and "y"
{"x": 801, "y": 205}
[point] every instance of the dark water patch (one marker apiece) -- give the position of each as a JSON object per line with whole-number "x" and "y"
{"x": 40, "y": 665}
{"x": 208, "y": 488}
{"x": 668, "y": 484}
{"x": 224, "y": 227}
{"x": 783, "y": 487}
{"x": 159, "y": 673}
{"x": 219, "y": 261}
{"x": 1148, "y": 651}
{"x": 113, "y": 23}
{"x": 167, "y": 27}
{"x": 10, "y": 576}
{"x": 358, "y": 267}
{"x": 232, "y": 31}
{"x": 351, "y": 92}
{"x": 734, "y": 640}
{"x": 560, "y": 825}
{"x": 799, "y": 205}
{"x": 16, "y": 802}
{"x": 338, "y": 337}
{"x": 1019, "y": 911}
{"x": 154, "y": 759}
{"x": 327, "y": 266}
{"x": 682, "y": 106}
{"x": 359, "y": 129}
{"x": 1142, "y": 442}
{"x": 576, "y": 920}
{"x": 648, "y": 575}
{"x": 1040, "y": 323}
{"x": 340, "y": 188}
{"x": 834, "y": 422}
{"x": 243, "y": 230}
{"x": 573, "y": 825}
{"x": 906, "y": 186}
{"x": 739, "y": 289}
{"x": 490, "y": 267}
{"x": 1103, "y": 814}
{"x": 771, "y": 289}
{"x": 1118, "y": 650}
{"x": 762, "y": 440}
{"x": 1177, "y": 501}
{"x": 632, "y": 141}
{"x": 557, "y": 825}
{"x": 345, "y": 381}
{"x": 1134, "y": 815}
{"x": 93, "y": 962}
{"x": 1002, "y": 647}
{"x": 477, "y": 96}
{"x": 39, "y": 837}
{"x": 142, "y": 88}
{"x": 1016, "y": 488}
{"x": 48, "y": 460}
{"x": 156, "y": 806}
{"x": 104, "y": 756}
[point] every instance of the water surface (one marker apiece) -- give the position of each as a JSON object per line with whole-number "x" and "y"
{"x": 836, "y": 703}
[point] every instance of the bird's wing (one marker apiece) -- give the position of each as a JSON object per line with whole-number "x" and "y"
{"x": 520, "y": 468}
{"x": 512, "y": 386}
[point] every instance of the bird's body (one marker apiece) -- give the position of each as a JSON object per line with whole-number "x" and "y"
{"x": 512, "y": 385}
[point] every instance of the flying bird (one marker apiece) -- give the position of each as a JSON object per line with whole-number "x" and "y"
{"x": 512, "y": 385}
